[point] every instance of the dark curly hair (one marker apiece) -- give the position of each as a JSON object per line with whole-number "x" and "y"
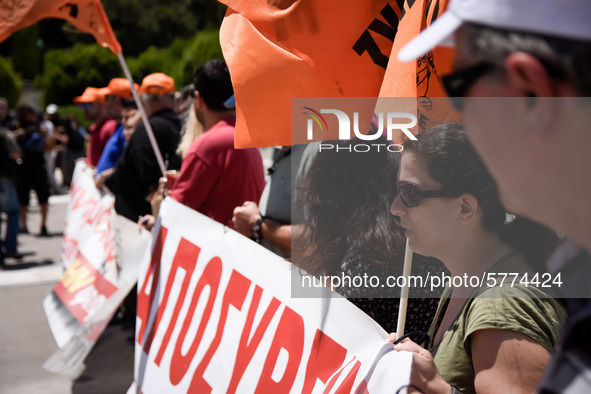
{"x": 346, "y": 197}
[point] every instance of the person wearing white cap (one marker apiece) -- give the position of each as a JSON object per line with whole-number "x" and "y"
{"x": 538, "y": 52}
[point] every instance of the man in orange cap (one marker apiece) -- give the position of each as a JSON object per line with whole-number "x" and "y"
{"x": 137, "y": 172}
{"x": 118, "y": 97}
{"x": 119, "y": 105}
{"x": 92, "y": 104}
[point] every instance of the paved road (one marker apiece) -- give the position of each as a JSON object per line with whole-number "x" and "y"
{"x": 25, "y": 338}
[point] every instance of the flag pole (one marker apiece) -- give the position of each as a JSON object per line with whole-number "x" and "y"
{"x": 143, "y": 114}
{"x": 404, "y": 291}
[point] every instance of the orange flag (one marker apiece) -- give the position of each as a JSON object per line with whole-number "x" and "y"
{"x": 277, "y": 50}
{"x": 420, "y": 79}
{"x": 87, "y": 15}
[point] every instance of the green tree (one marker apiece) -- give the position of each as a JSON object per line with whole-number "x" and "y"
{"x": 139, "y": 24}
{"x": 68, "y": 72}
{"x": 179, "y": 60}
{"x": 10, "y": 83}
{"x": 25, "y": 52}
{"x": 203, "y": 47}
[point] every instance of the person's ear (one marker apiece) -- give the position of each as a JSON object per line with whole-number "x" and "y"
{"x": 468, "y": 208}
{"x": 199, "y": 103}
{"x": 529, "y": 79}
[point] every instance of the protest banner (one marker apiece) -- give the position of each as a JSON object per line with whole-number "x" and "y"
{"x": 215, "y": 314}
{"x": 99, "y": 271}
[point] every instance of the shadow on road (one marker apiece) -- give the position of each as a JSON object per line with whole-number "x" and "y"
{"x": 14, "y": 265}
{"x": 109, "y": 366}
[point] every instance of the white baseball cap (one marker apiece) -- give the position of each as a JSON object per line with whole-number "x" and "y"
{"x": 562, "y": 18}
{"x": 52, "y": 109}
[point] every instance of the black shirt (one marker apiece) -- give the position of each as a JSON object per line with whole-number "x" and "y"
{"x": 137, "y": 172}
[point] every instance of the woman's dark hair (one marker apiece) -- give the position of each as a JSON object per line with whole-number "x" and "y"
{"x": 346, "y": 196}
{"x": 454, "y": 164}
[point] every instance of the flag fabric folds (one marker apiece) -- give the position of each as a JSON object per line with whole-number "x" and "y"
{"x": 420, "y": 79}
{"x": 279, "y": 49}
{"x": 87, "y": 15}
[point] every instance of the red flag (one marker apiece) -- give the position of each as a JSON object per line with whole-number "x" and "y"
{"x": 87, "y": 15}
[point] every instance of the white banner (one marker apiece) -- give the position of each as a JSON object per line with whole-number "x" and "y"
{"x": 215, "y": 314}
{"x": 99, "y": 271}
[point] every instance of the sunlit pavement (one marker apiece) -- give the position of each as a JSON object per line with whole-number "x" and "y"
{"x": 25, "y": 338}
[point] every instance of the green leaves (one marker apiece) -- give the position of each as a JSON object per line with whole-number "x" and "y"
{"x": 10, "y": 83}
{"x": 67, "y": 72}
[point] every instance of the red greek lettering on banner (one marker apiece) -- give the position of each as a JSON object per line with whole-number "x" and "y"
{"x": 180, "y": 363}
{"x": 185, "y": 258}
{"x": 290, "y": 337}
{"x": 145, "y": 299}
{"x": 325, "y": 359}
{"x": 235, "y": 294}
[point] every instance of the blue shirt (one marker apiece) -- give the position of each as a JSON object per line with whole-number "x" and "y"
{"x": 113, "y": 150}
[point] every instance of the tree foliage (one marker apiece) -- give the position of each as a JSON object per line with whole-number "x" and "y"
{"x": 26, "y": 54}
{"x": 179, "y": 60}
{"x": 139, "y": 24}
{"x": 67, "y": 72}
{"x": 203, "y": 47}
{"x": 10, "y": 83}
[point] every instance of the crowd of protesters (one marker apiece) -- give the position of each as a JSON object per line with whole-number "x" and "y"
{"x": 33, "y": 144}
{"x": 451, "y": 204}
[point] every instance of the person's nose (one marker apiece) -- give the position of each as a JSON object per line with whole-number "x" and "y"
{"x": 398, "y": 208}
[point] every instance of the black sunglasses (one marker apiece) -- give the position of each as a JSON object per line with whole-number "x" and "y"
{"x": 411, "y": 196}
{"x": 457, "y": 83}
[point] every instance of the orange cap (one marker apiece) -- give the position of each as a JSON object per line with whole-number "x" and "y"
{"x": 119, "y": 87}
{"x": 157, "y": 83}
{"x": 90, "y": 95}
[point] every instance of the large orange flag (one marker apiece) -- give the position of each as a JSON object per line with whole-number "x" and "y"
{"x": 279, "y": 49}
{"x": 87, "y": 15}
{"x": 420, "y": 79}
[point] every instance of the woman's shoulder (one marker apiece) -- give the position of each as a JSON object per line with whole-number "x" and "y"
{"x": 517, "y": 307}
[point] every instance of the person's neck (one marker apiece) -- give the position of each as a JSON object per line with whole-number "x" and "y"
{"x": 102, "y": 118}
{"x": 211, "y": 118}
{"x": 580, "y": 230}
{"x": 155, "y": 107}
{"x": 479, "y": 251}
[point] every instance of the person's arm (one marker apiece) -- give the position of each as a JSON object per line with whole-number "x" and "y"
{"x": 276, "y": 233}
{"x": 101, "y": 177}
{"x": 245, "y": 218}
{"x": 504, "y": 361}
{"x": 507, "y": 361}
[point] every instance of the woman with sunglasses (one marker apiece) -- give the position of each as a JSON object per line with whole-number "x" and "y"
{"x": 347, "y": 230}
{"x": 483, "y": 339}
